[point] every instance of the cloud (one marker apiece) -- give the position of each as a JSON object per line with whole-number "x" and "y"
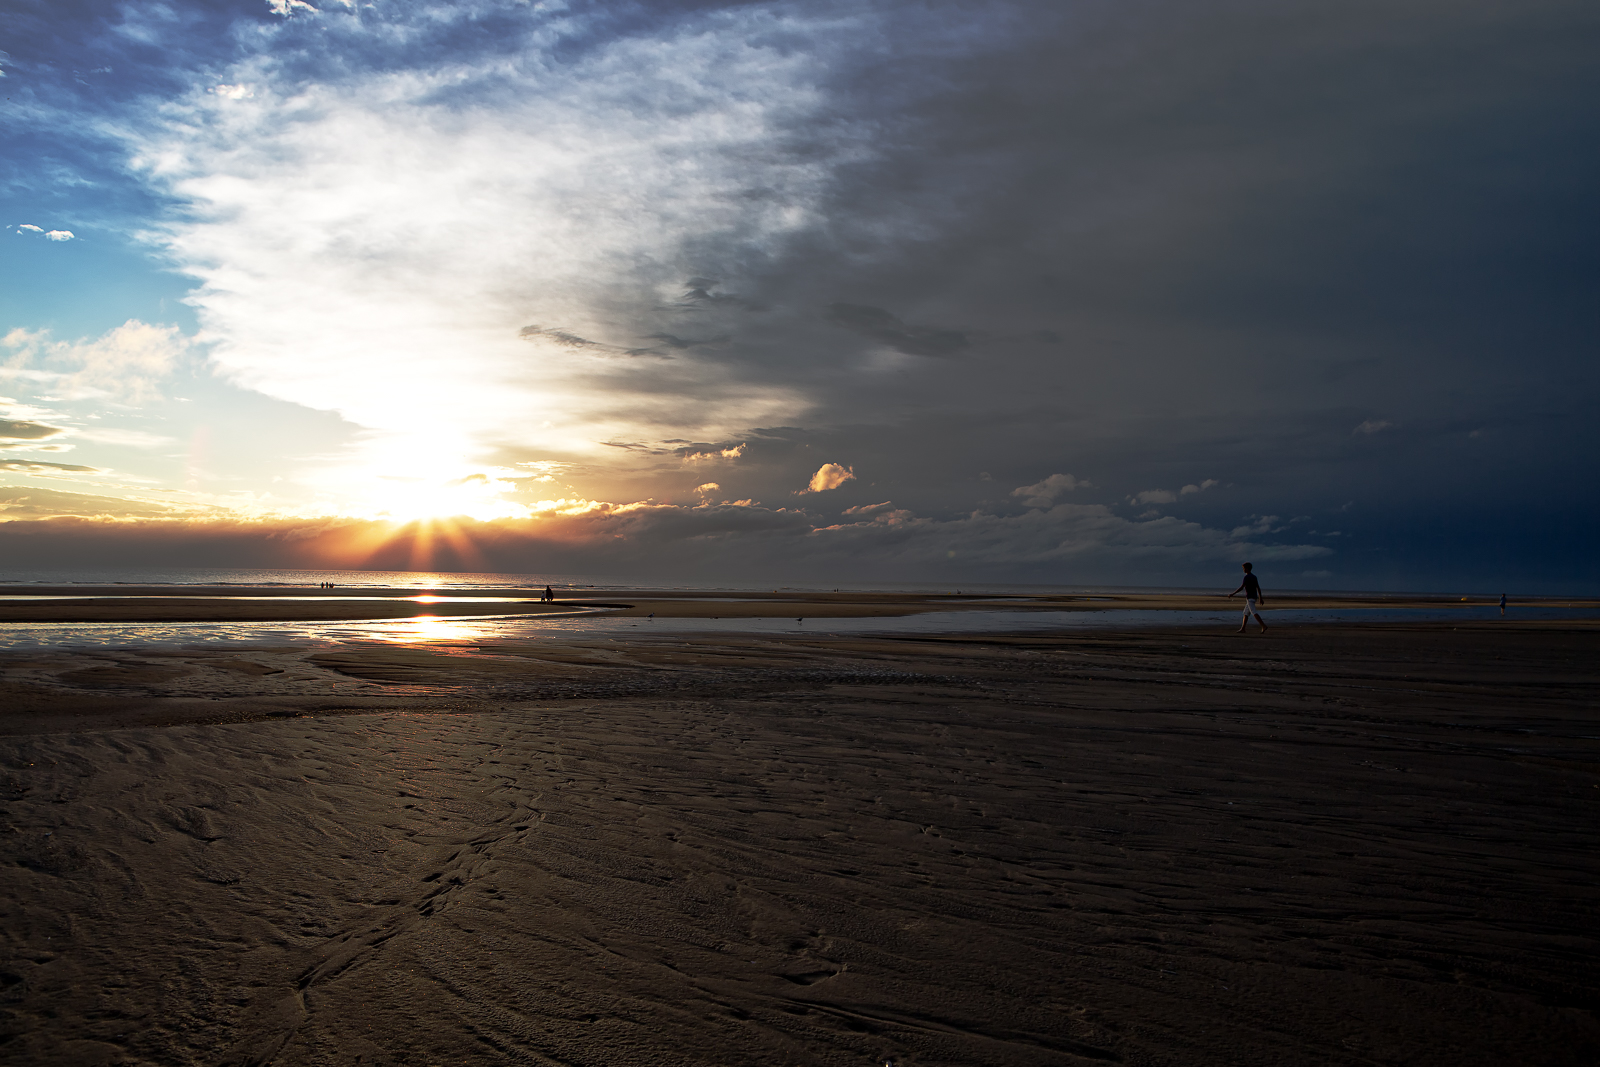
{"x": 1202, "y": 487}
{"x": 27, "y": 431}
{"x": 443, "y": 201}
{"x": 829, "y": 476}
{"x": 1263, "y": 524}
{"x": 110, "y": 435}
{"x": 232, "y": 92}
{"x": 704, "y": 457}
{"x": 563, "y": 338}
{"x": 28, "y": 446}
{"x": 32, "y": 466}
{"x": 51, "y": 235}
{"x": 1154, "y": 496}
{"x": 867, "y": 509}
{"x": 881, "y": 515}
{"x": 879, "y": 325}
{"x": 126, "y": 363}
{"x": 1044, "y": 493}
{"x": 1229, "y": 277}
{"x": 708, "y": 487}
{"x": 22, "y": 509}
{"x": 1071, "y": 542}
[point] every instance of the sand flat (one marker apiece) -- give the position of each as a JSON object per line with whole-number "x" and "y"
{"x": 1334, "y": 845}
{"x": 284, "y": 604}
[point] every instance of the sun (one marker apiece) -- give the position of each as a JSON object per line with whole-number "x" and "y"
{"x": 476, "y": 496}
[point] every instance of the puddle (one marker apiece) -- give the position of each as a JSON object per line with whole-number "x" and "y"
{"x": 427, "y": 629}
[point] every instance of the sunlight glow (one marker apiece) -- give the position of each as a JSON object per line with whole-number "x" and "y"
{"x": 474, "y": 496}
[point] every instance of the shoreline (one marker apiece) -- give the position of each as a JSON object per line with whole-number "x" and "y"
{"x": 64, "y": 604}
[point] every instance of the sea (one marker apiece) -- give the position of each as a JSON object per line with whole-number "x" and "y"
{"x": 361, "y": 579}
{"x": 428, "y": 629}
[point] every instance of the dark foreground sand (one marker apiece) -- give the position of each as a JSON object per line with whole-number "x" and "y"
{"x": 1358, "y": 845}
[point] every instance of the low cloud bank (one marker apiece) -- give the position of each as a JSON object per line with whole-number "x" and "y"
{"x": 1065, "y": 543}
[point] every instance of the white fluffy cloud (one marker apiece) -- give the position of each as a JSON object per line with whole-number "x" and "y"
{"x": 126, "y": 363}
{"x": 829, "y": 476}
{"x": 377, "y": 246}
{"x": 50, "y": 235}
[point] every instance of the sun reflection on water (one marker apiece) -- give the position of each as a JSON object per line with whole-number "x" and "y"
{"x": 425, "y": 629}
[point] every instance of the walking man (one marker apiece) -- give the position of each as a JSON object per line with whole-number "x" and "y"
{"x": 1251, "y": 588}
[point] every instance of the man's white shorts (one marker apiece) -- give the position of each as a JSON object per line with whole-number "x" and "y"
{"x": 1250, "y": 609}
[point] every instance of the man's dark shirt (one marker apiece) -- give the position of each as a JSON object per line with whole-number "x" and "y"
{"x": 1252, "y": 588}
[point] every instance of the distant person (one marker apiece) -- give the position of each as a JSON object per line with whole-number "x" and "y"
{"x": 1251, "y": 588}
{"x": 548, "y": 595}
{"x": 1502, "y": 605}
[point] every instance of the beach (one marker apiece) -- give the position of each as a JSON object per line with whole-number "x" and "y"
{"x": 155, "y": 603}
{"x": 1337, "y": 844}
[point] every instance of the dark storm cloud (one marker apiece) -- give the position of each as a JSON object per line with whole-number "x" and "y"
{"x": 881, "y": 326}
{"x": 1252, "y": 228}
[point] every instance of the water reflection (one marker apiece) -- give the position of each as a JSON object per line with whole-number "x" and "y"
{"x": 323, "y": 598}
{"x": 432, "y": 629}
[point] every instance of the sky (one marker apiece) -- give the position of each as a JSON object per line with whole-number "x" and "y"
{"x": 1046, "y": 291}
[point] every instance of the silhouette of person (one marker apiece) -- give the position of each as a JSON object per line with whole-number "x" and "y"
{"x": 1252, "y": 597}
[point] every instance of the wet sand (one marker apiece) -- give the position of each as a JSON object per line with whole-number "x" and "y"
{"x": 1330, "y": 845}
{"x": 284, "y": 604}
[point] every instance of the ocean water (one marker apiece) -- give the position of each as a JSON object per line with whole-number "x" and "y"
{"x": 347, "y": 579}
{"x": 356, "y": 579}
